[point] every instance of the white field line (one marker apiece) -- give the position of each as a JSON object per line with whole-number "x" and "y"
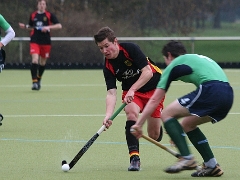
{"x": 74, "y": 115}
{"x": 60, "y": 115}
{"x": 54, "y": 85}
{"x": 92, "y": 85}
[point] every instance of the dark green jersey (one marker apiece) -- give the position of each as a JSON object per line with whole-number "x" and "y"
{"x": 3, "y": 24}
{"x": 191, "y": 68}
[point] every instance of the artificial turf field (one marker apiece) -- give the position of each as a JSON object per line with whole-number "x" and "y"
{"x": 42, "y": 128}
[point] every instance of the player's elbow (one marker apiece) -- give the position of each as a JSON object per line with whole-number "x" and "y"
{"x": 149, "y": 74}
{"x": 147, "y": 71}
{"x": 13, "y": 34}
{"x": 59, "y": 26}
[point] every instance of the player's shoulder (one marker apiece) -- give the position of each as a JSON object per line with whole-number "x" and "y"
{"x": 48, "y": 13}
{"x": 185, "y": 56}
{"x": 1, "y": 18}
{"x": 34, "y": 12}
{"x": 128, "y": 45}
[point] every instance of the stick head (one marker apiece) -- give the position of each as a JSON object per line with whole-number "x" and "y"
{"x": 64, "y": 162}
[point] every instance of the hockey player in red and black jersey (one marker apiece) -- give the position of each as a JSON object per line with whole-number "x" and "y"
{"x": 125, "y": 62}
{"x": 41, "y": 23}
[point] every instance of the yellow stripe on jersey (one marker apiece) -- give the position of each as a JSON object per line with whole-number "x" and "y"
{"x": 154, "y": 66}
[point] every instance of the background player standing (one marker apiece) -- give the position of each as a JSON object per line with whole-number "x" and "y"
{"x": 10, "y": 34}
{"x": 210, "y": 102}
{"x": 126, "y": 63}
{"x": 41, "y": 22}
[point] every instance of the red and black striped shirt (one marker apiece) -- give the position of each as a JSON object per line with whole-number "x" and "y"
{"x": 38, "y": 20}
{"x": 126, "y": 68}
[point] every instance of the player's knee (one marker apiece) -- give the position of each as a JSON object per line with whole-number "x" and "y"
{"x": 153, "y": 134}
{"x": 132, "y": 115}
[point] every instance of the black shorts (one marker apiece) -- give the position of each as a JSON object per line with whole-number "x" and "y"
{"x": 213, "y": 99}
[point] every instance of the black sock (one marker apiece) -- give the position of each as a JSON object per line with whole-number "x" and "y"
{"x": 34, "y": 70}
{"x": 132, "y": 141}
{"x": 41, "y": 71}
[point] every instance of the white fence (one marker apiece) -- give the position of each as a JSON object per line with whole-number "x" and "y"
{"x": 192, "y": 39}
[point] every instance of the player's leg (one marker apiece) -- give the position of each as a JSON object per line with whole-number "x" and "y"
{"x": 154, "y": 128}
{"x": 154, "y": 123}
{"x": 200, "y": 142}
{"x": 197, "y": 138}
{"x": 2, "y": 59}
{"x": 41, "y": 69}
{"x": 175, "y": 131}
{"x": 132, "y": 110}
{"x": 216, "y": 102}
{"x": 44, "y": 55}
{"x": 34, "y": 71}
{"x": 34, "y": 51}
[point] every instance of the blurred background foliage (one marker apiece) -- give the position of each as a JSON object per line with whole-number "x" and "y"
{"x": 137, "y": 18}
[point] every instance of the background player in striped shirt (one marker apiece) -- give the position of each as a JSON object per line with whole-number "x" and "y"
{"x": 41, "y": 22}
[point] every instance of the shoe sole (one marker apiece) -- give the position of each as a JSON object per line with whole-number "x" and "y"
{"x": 214, "y": 173}
{"x": 134, "y": 169}
{"x": 35, "y": 89}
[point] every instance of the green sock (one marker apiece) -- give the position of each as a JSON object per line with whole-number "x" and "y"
{"x": 200, "y": 142}
{"x": 176, "y": 133}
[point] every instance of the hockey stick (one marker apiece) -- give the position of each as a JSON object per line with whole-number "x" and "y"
{"x": 91, "y": 141}
{"x": 177, "y": 155}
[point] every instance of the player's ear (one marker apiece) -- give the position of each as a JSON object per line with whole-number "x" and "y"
{"x": 170, "y": 56}
{"x": 115, "y": 41}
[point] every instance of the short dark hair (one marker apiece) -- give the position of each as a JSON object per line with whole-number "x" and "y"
{"x": 176, "y": 48}
{"x": 42, "y": 0}
{"x": 103, "y": 33}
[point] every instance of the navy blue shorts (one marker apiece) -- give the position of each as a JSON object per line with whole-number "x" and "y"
{"x": 213, "y": 99}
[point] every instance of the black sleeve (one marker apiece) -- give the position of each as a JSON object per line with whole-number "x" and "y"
{"x": 110, "y": 79}
{"x": 30, "y": 22}
{"x": 54, "y": 19}
{"x": 136, "y": 54}
{"x": 178, "y": 71}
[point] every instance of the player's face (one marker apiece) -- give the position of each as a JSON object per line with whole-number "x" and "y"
{"x": 42, "y": 6}
{"x": 109, "y": 49}
{"x": 167, "y": 60}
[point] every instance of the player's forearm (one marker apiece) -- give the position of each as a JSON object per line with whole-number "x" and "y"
{"x": 10, "y": 34}
{"x": 111, "y": 100}
{"x": 55, "y": 26}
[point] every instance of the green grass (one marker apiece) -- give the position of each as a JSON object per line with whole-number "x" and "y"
{"x": 42, "y": 128}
